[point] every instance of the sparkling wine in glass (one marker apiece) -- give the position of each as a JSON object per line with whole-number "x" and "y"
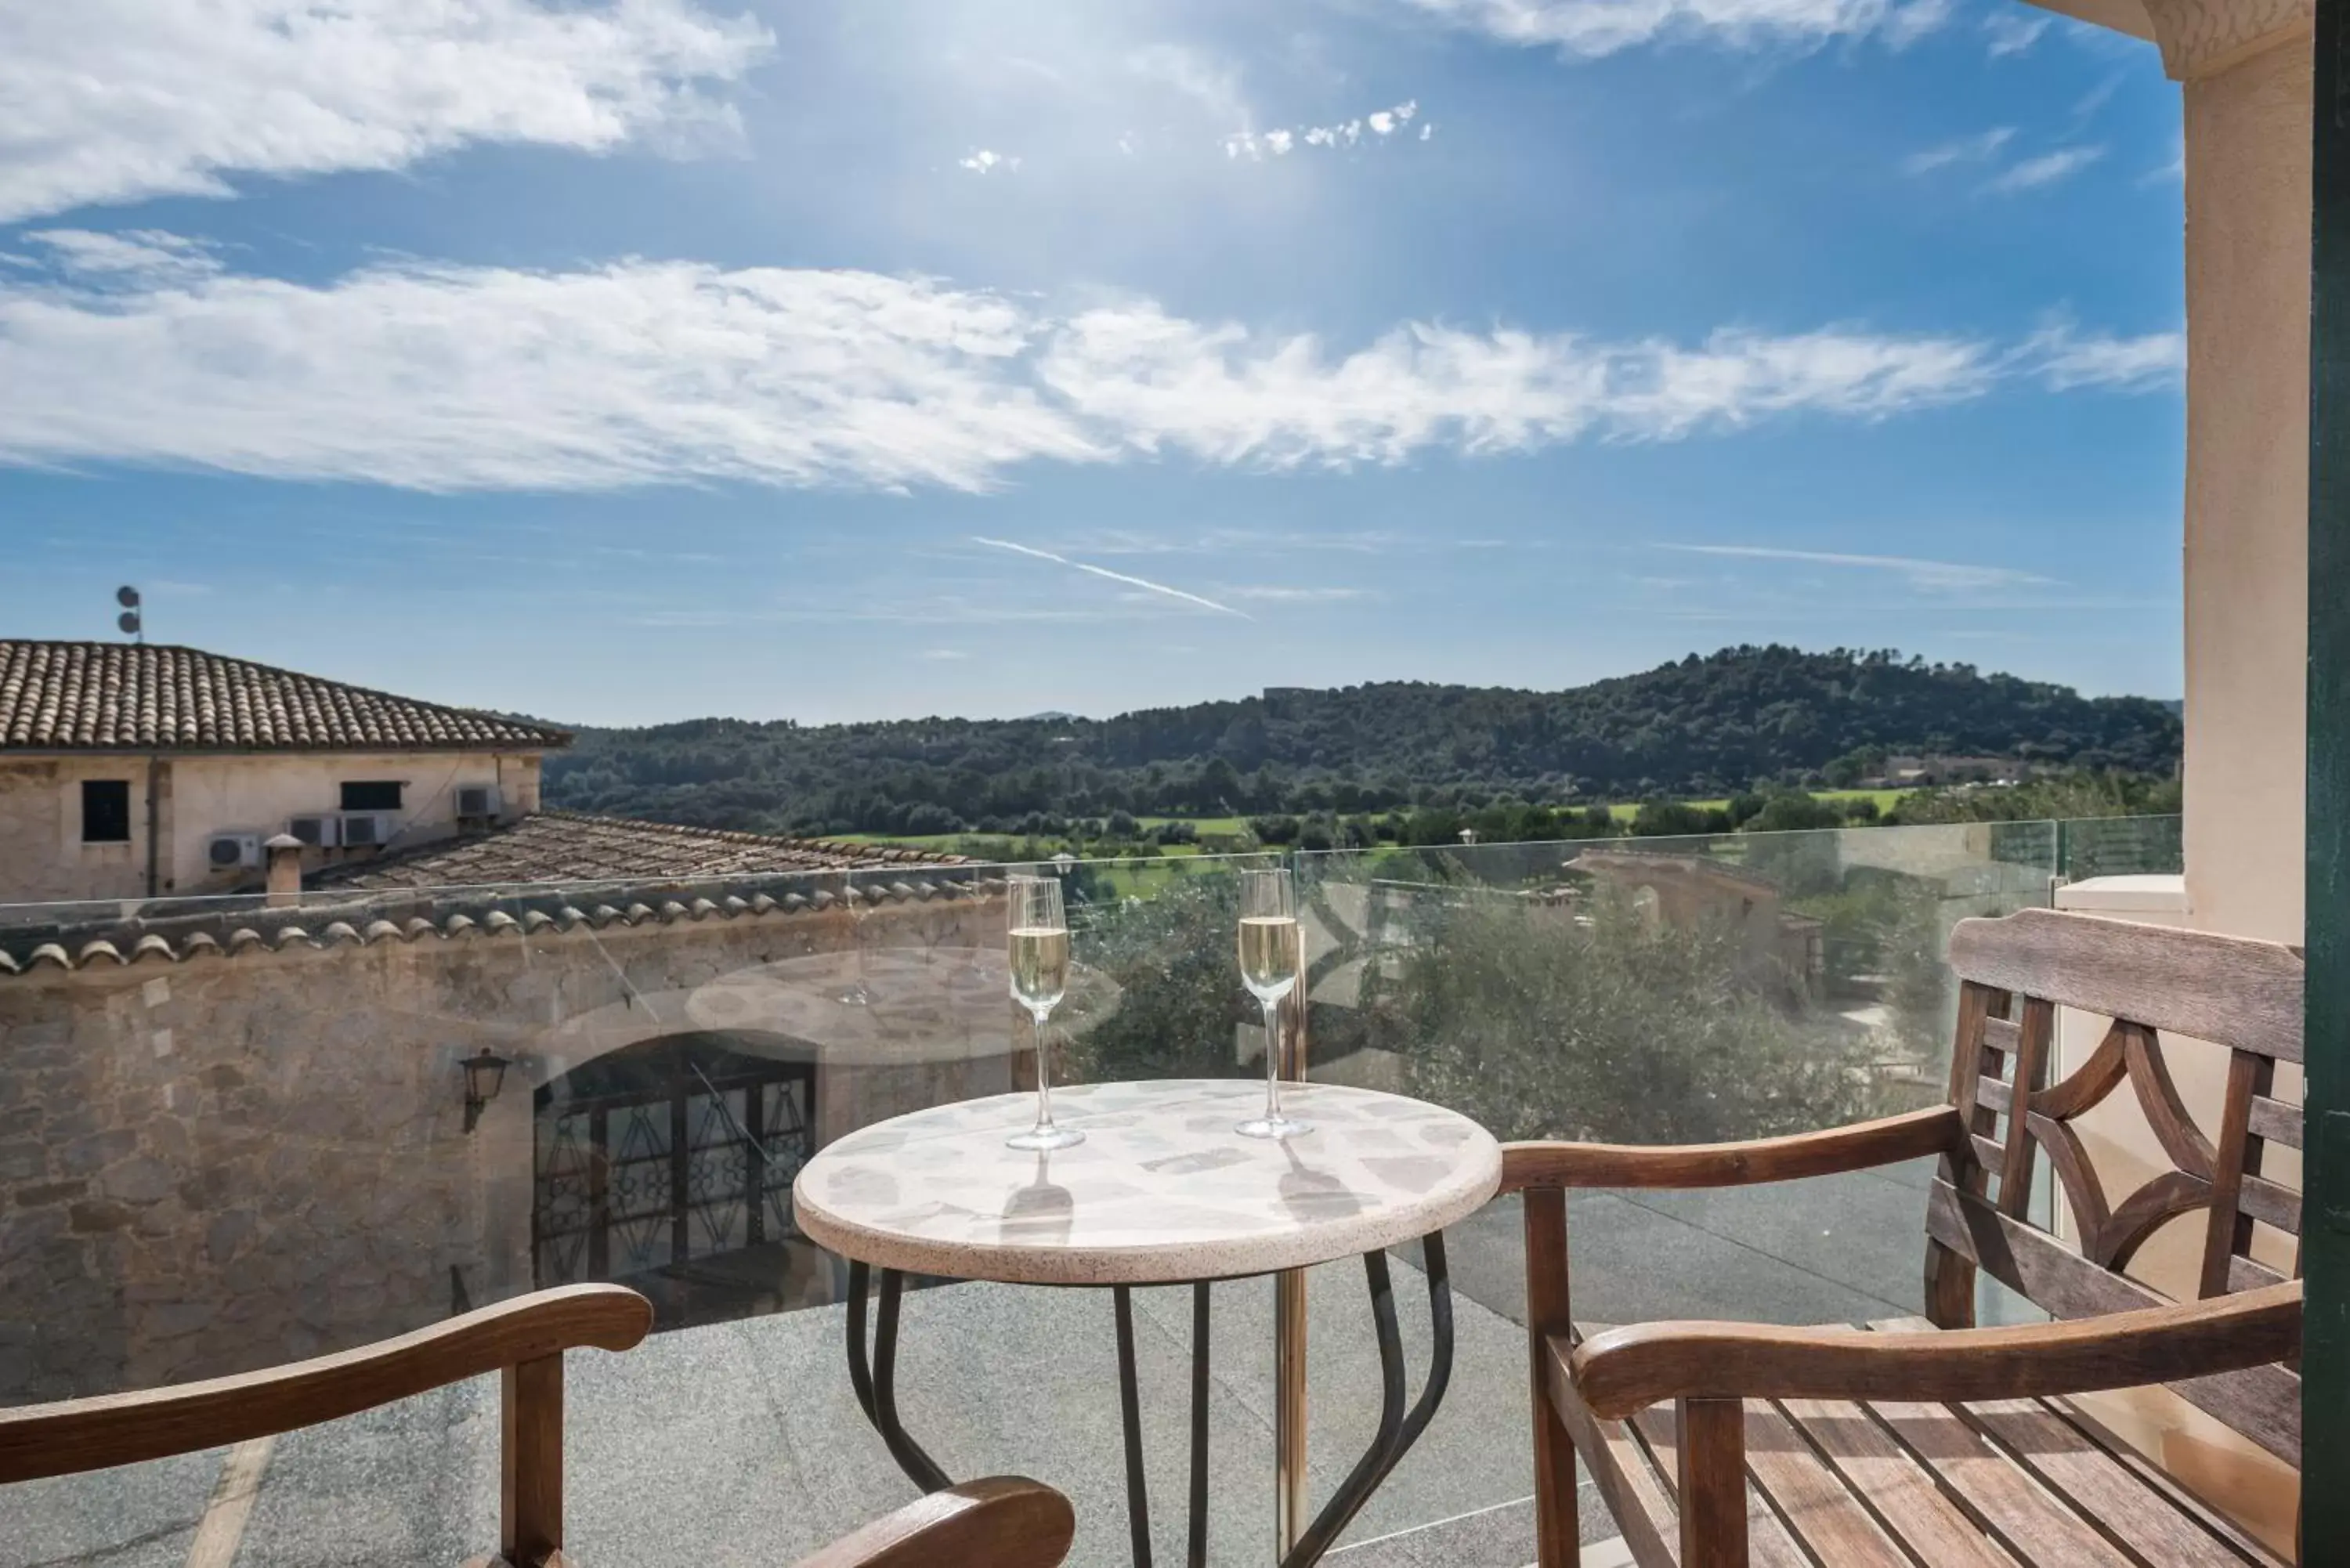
{"x": 1039, "y": 953}
{"x": 1270, "y": 958}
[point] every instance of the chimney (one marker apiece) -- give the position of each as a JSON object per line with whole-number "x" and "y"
{"x": 285, "y": 870}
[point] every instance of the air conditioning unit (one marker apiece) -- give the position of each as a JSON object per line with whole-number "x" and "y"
{"x": 320, "y": 831}
{"x": 477, "y": 800}
{"x": 232, "y": 851}
{"x": 366, "y": 829}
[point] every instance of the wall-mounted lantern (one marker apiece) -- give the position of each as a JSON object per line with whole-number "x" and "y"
{"x": 485, "y": 1073}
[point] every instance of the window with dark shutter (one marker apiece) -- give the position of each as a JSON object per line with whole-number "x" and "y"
{"x": 106, "y": 811}
{"x": 376, "y": 796}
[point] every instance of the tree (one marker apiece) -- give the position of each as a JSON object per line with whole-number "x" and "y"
{"x": 1667, "y": 820}
{"x": 1795, "y": 811}
{"x": 1539, "y": 1025}
{"x": 1179, "y": 990}
{"x": 1698, "y": 727}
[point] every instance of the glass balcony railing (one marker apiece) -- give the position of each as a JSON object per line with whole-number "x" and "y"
{"x": 235, "y": 1132}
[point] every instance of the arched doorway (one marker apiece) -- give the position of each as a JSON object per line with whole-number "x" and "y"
{"x": 667, "y": 1166}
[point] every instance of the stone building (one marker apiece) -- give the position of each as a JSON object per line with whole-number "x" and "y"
{"x": 233, "y": 1132}
{"x": 1686, "y": 891}
{"x": 131, "y": 770}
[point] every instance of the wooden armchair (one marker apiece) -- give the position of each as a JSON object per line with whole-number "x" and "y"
{"x": 1006, "y": 1523}
{"x": 1930, "y": 1441}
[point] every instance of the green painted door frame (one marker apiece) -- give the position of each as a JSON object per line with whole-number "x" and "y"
{"x": 2325, "y": 1249}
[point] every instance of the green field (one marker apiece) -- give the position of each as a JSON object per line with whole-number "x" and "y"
{"x": 1885, "y": 800}
{"x": 949, "y": 842}
{"x": 1237, "y": 826}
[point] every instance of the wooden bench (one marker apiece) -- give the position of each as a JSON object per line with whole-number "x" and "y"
{"x": 1006, "y": 1523}
{"x": 1929, "y": 1442}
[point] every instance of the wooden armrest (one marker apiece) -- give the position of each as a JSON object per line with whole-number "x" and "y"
{"x": 1938, "y": 1129}
{"x": 1627, "y": 1369}
{"x": 77, "y": 1434}
{"x": 1003, "y": 1522}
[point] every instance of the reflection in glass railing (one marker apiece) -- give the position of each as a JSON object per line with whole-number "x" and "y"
{"x": 1658, "y": 990}
{"x": 1669, "y": 991}
{"x": 240, "y": 1129}
{"x": 235, "y": 1131}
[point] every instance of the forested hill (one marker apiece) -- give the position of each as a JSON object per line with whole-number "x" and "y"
{"x": 1705, "y": 726}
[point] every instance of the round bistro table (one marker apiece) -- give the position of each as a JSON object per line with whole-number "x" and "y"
{"x": 1162, "y": 1192}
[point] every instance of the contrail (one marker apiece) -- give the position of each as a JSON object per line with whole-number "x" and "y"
{"x": 1113, "y": 577}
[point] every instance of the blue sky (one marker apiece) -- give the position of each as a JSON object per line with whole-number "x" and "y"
{"x": 622, "y": 362}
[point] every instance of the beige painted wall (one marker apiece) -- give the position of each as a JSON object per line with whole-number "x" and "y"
{"x": 42, "y": 857}
{"x": 250, "y": 794}
{"x": 2248, "y": 239}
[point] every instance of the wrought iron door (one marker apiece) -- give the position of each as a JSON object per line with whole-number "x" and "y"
{"x": 674, "y": 1150}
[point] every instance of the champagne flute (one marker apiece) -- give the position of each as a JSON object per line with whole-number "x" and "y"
{"x": 1039, "y": 950}
{"x": 1270, "y": 958}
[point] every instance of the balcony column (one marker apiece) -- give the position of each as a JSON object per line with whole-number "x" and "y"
{"x": 2245, "y": 75}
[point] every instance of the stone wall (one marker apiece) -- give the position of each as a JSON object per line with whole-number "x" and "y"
{"x": 42, "y": 857}
{"x": 259, "y": 1153}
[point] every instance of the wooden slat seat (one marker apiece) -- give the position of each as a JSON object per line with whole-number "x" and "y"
{"x": 1930, "y": 1442}
{"x": 1886, "y": 1483}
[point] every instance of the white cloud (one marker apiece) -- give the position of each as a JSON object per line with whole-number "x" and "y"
{"x": 945, "y": 655}
{"x": 1213, "y": 84}
{"x": 2014, "y": 33}
{"x": 1262, "y": 593}
{"x": 1380, "y": 123}
{"x": 1919, "y": 19}
{"x": 2095, "y": 100}
{"x": 134, "y": 256}
{"x": 2066, "y": 361}
{"x": 1144, "y": 584}
{"x": 2048, "y": 168}
{"x": 1966, "y": 150}
{"x": 1937, "y": 576}
{"x": 1590, "y": 29}
{"x": 117, "y": 100}
{"x": 447, "y": 377}
{"x": 981, "y": 160}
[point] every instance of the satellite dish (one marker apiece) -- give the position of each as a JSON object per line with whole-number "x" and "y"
{"x": 127, "y": 596}
{"x": 128, "y": 621}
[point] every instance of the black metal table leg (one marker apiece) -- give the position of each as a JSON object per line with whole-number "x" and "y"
{"x": 1197, "y": 1556}
{"x": 1130, "y": 1410}
{"x": 877, "y": 1389}
{"x": 875, "y": 1383}
{"x": 1397, "y": 1432}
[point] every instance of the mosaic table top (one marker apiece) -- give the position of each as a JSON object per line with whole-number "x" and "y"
{"x": 1161, "y": 1190}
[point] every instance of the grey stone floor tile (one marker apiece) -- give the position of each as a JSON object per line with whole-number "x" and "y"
{"x": 414, "y": 1482}
{"x": 741, "y": 1442}
{"x": 1831, "y": 1249}
{"x": 140, "y": 1516}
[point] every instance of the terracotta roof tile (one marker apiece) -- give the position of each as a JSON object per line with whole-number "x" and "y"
{"x": 566, "y": 846}
{"x": 360, "y": 922}
{"x": 115, "y": 696}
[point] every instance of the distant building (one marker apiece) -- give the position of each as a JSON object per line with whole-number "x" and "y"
{"x": 1686, "y": 891}
{"x": 1927, "y": 772}
{"x": 132, "y": 770}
